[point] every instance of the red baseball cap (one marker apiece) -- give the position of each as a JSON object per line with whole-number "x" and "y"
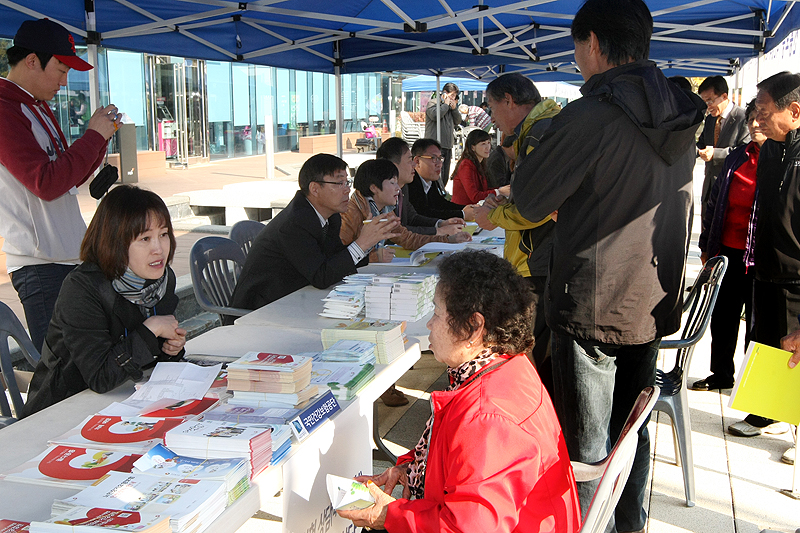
{"x": 50, "y": 37}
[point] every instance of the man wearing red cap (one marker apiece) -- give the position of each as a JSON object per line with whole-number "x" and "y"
{"x": 40, "y": 218}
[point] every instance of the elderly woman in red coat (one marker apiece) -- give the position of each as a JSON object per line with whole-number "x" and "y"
{"x": 492, "y": 457}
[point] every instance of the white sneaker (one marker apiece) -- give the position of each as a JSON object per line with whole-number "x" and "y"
{"x": 744, "y": 429}
{"x": 788, "y": 455}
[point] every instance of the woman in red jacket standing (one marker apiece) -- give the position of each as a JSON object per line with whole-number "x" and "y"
{"x": 469, "y": 179}
{"x": 492, "y": 457}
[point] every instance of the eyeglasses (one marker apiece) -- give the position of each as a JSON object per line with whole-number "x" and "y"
{"x": 343, "y": 184}
{"x": 713, "y": 101}
{"x": 433, "y": 158}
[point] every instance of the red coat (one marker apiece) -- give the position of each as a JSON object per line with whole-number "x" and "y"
{"x": 497, "y": 461}
{"x": 469, "y": 186}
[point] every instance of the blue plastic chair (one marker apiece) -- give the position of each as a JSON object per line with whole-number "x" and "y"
{"x": 244, "y": 233}
{"x": 10, "y": 326}
{"x": 215, "y": 265}
{"x": 673, "y": 399}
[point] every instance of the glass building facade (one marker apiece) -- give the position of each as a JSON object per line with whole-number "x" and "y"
{"x": 196, "y": 110}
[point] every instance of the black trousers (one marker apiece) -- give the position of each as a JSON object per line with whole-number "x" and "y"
{"x": 736, "y": 290}
{"x": 775, "y": 310}
{"x": 541, "y": 334}
{"x": 447, "y": 153}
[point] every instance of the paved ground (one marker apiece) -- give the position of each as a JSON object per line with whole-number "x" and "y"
{"x": 738, "y": 479}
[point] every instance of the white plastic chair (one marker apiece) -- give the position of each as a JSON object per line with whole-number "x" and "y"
{"x": 614, "y": 470}
{"x": 698, "y": 307}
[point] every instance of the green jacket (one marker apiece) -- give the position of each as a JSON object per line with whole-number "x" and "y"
{"x": 526, "y": 240}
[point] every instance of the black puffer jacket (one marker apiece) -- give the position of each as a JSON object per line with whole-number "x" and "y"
{"x": 777, "y": 238}
{"x": 617, "y": 165}
{"x": 92, "y": 331}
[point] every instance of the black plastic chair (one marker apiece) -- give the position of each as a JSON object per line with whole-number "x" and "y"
{"x": 244, "y": 233}
{"x": 10, "y": 326}
{"x": 215, "y": 265}
{"x": 673, "y": 399}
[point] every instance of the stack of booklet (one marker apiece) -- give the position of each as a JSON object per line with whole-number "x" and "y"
{"x": 247, "y": 414}
{"x": 387, "y": 336}
{"x": 379, "y": 300}
{"x": 95, "y": 520}
{"x": 13, "y": 526}
{"x": 260, "y": 377}
{"x": 400, "y": 296}
{"x": 209, "y": 439}
{"x": 71, "y": 466}
{"x": 345, "y": 380}
{"x": 344, "y": 301}
{"x": 192, "y": 505}
{"x": 412, "y": 297}
{"x": 346, "y": 351}
{"x": 131, "y": 434}
{"x": 161, "y": 461}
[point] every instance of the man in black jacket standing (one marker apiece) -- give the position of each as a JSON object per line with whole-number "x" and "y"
{"x": 619, "y": 172}
{"x": 776, "y": 257}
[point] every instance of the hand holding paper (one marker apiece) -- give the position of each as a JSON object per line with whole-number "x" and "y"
{"x": 791, "y": 343}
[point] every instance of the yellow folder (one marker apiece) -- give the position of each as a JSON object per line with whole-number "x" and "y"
{"x": 766, "y": 386}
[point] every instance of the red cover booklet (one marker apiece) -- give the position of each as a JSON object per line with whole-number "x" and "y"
{"x": 133, "y": 434}
{"x": 71, "y": 466}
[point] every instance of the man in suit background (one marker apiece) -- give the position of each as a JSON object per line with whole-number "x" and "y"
{"x": 423, "y": 193}
{"x": 725, "y": 128}
{"x": 301, "y": 245}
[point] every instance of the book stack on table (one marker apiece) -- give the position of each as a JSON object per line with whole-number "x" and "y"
{"x": 386, "y": 335}
{"x": 344, "y": 301}
{"x": 264, "y": 379}
{"x": 412, "y": 297}
{"x": 210, "y": 439}
{"x": 400, "y": 296}
{"x": 94, "y": 520}
{"x": 161, "y": 461}
{"x": 192, "y": 506}
{"x": 345, "y": 380}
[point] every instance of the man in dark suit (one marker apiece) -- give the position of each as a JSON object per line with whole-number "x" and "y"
{"x": 725, "y": 128}
{"x": 301, "y": 245}
{"x": 424, "y": 192}
{"x": 397, "y": 151}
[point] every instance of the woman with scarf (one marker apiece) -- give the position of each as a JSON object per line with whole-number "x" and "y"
{"x": 113, "y": 316}
{"x": 470, "y": 184}
{"x": 492, "y": 456}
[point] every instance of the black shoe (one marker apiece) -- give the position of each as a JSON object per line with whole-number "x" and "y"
{"x": 712, "y": 382}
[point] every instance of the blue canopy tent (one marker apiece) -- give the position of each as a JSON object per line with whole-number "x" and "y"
{"x": 428, "y": 83}
{"x": 449, "y": 37}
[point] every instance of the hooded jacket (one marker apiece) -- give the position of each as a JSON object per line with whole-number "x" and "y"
{"x": 777, "y": 223}
{"x": 40, "y": 218}
{"x": 617, "y": 166}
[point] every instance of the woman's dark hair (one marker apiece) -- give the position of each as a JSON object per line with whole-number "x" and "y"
{"x": 750, "y": 109}
{"x": 480, "y": 282}
{"x": 123, "y": 215}
{"x": 373, "y": 172}
{"x": 474, "y": 137}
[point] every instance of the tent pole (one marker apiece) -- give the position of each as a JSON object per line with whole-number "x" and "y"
{"x": 438, "y": 101}
{"x": 339, "y": 122}
{"x": 94, "y": 77}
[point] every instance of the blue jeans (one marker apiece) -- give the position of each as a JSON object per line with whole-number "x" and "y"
{"x": 38, "y": 287}
{"x": 596, "y": 385}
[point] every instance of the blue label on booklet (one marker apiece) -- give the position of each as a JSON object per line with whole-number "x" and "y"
{"x": 314, "y": 415}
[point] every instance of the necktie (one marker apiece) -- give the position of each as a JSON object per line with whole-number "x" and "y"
{"x": 717, "y": 127}
{"x": 325, "y": 231}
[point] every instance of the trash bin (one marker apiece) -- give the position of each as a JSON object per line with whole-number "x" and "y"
{"x": 128, "y": 165}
